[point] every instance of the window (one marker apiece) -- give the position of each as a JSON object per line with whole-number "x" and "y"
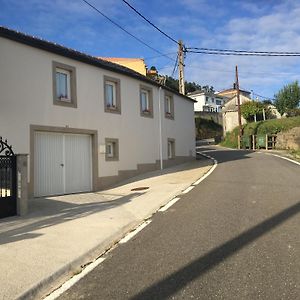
{"x": 206, "y": 99}
{"x": 63, "y": 92}
{"x": 219, "y": 102}
{"x": 64, "y": 85}
{"x": 206, "y": 108}
{"x": 213, "y": 100}
{"x": 169, "y": 106}
{"x": 146, "y": 102}
{"x": 171, "y": 148}
{"x": 112, "y": 101}
{"x": 112, "y": 149}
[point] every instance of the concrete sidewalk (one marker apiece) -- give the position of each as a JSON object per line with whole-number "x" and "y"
{"x": 61, "y": 233}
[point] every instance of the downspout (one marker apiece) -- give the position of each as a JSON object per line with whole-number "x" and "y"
{"x": 160, "y": 130}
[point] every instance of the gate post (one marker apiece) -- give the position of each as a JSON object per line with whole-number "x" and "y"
{"x": 22, "y": 184}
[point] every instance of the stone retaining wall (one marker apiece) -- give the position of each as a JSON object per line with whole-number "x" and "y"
{"x": 289, "y": 139}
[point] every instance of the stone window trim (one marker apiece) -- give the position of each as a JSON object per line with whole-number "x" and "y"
{"x": 117, "y": 82}
{"x": 115, "y": 156}
{"x": 150, "y": 99}
{"x": 172, "y": 141}
{"x": 169, "y": 115}
{"x": 72, "y": 70}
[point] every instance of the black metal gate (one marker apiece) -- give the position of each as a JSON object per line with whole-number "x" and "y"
{"x": 8, "y": 180}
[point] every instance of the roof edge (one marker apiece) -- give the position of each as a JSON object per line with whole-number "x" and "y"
{"x": 79, "y": 56}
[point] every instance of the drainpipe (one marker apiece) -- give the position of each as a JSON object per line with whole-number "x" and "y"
{"x": 160, "y": 130}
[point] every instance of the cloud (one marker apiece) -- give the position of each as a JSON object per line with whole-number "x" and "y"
{"x": 250, "y": 25}
{"x": 275, "y": 30}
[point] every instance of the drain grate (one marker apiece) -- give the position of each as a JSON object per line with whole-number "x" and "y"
{"x": 142, "y": 188}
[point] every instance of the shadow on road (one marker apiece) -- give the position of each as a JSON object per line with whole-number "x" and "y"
{"x": 179, "y": 279}
{"x": 224, "y": 155}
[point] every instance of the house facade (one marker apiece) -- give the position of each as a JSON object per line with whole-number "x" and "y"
{"x": 136, "y": 64}
{"x": 230, "y": 113}
{"x": 86, "y": 123}
{"x": 207, "y": 102}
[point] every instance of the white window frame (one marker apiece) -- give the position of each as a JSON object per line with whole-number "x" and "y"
{"x": 147, "y": 108}
{"x": 112, "y": 105}
{"x": 170, "y": 152}
{"x": 110, "y": 149}
{"x": 168, "y": 104}
{"x": 171, "y": 148}
{"x": 68, "y": 74}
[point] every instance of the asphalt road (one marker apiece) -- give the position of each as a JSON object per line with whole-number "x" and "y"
{"x": 234, "y": 236}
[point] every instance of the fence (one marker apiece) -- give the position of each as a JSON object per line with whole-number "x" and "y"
{"x": 8, "y": 180}
{"x": 262, "y": 141}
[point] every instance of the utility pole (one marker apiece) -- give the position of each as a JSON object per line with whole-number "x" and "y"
{"x": 239, "y": 106}
{"x": 181, "y": 67}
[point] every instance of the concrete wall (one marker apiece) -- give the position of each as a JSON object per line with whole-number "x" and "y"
{"x": 230, "y": 121}
{"x": 27, "y": 99}
{"x": 289, "y": 139}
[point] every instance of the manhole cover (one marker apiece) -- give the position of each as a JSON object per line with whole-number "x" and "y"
{"x": 140, "y": 188}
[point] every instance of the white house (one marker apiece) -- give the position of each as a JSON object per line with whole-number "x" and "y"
{"x": 208, "y": 102}
{"x": 86, "y": 123}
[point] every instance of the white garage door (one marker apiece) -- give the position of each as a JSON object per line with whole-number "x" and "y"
{"x": 62, "y": 163}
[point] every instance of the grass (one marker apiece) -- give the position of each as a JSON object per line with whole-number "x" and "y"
{"x": 271, "y": 126}
{"x": 295, "y": 154}
{"x": 263, "y": 127}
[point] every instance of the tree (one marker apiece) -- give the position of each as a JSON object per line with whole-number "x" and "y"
{"x": 288, "y": 97}
{"x": 189, "y": 86}
{"x": 250, "y": 109}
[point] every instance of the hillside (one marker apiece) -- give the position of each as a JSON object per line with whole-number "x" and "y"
{"x": 263, "y": 127}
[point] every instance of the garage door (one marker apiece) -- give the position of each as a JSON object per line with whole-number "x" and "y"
{"x": 62, "y": 163}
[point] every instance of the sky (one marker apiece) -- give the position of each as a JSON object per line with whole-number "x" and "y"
{"x": 258, "y": 25}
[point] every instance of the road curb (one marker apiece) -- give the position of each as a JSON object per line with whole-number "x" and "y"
{"x": 47, "y": 285}
{"x": 55, "y": 280}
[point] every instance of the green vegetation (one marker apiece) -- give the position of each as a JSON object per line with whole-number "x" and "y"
{"x": 189, "y": 86}
{"x": 288, "y": 98}
{"x": 251, "y": 109}
{"x": 295, "y": 154}
{"x": 264, "y": 127}
{"x": 231, "y": 139}
{"x": 207, "y": 128}
{"x": 254, "y": 110}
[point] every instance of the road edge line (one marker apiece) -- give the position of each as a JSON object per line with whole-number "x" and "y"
{"x": 283, "y": 157}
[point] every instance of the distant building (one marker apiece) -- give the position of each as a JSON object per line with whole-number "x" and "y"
{"x": 135, "y": 64}
{"x": 229, "y": 93}
{"x": 230, "y": 112}
{"x": 206, "y": 101}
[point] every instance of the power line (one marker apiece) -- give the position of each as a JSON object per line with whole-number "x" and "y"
{"x": 264, "y": 97}
{"x": 175, "y": 66}
{"x": 148, "y": 21}
{"x": 119, "y": 26}
{"x": 157, "y": 56}
{"x": 241, "y": 54}
{"x": 243, "y": 73}
{"x": 244, "y": 51}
